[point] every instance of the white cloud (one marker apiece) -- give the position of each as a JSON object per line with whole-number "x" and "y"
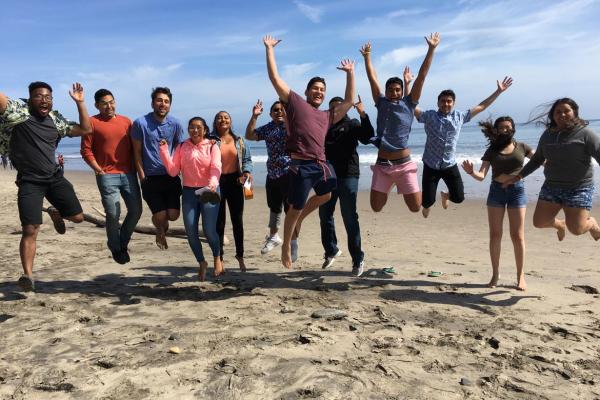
{"x": 311, "y": 12}
{"x": 402, "y": 56}
{"x": 296, "y": 70}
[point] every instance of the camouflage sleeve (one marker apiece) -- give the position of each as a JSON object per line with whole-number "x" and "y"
{"x": 16, "y": 112}
{"x": 63, "y": 125}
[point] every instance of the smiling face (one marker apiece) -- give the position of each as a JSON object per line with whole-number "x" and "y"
{"x": 106, "y": 106}
{"x": 564, "y": 115}
{"x": 393, "y": 92}
{"x": 40, "y": 101}
{"x": 315, "y": 94}
{"x": 161, "y": 105}
{"x": 277, "y": 113}
{"x": 222, "y": 123}
{"x": 505, "y": 128}
{"x": 445, "y": 104}
{"x": 196, "y": 131}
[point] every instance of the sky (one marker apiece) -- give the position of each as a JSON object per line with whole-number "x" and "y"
{"x": 211, "y": 54}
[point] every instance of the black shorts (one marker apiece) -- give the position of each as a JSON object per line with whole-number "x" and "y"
{"x": 58, "y": 191}
{"x": 277, "y": 192}
{"x": 305, "y": 175}
{"x": 162, "y": 192}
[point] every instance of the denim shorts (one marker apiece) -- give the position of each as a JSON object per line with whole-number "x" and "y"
{"x": 580, "y": 197}
{"x": 512, "y": 196}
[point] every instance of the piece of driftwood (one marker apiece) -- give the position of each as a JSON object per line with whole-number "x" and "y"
{"x": 176, "y": 232}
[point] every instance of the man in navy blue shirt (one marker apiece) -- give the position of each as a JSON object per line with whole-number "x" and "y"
{"x": 160, "y": 191}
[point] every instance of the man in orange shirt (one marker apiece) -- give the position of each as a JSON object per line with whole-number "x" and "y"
{"x": 108, "y": 151}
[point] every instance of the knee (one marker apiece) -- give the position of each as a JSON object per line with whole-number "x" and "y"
{"x": 576, "y": 228}
{"x": 495, "y": 235}
{"x": 173, "y": 215}
{"x": 458, "y": 199}
{"x": 376, "y": 207}
{"x": 30, "y": 231}
{"x": 538, "y": 223}
{"x": 517, "y": 237}
{"x": 414, "y": 208}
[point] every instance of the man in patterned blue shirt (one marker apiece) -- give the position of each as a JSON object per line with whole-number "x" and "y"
{"x": 278, "y": 161}
{"x": 443, "y": 128}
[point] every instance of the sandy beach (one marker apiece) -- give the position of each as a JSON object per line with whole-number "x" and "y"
{"x": 99, "y": 330}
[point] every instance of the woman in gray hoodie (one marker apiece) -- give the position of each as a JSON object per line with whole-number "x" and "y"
{"x": 567, "y": 147}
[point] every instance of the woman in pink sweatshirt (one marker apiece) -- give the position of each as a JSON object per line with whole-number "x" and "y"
{"x": 199, "y": 162}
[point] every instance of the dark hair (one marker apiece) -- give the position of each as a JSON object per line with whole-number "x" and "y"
{"x": 450, "y": 92}
{"x": 545, "y": 114}
{"x": 273, "y": 105}
{"x": 100, "y": 93}
{"x": 392, "y": 80}
{"x": 163, "y": 90}
{"x": 336, "y": 98}
{"x": 215, "y": 132}
{"x": 314, "y": 80}
{"x": 38, "y": 85}
{"x": 496, "y": 140}
{"x": 202, "y": 121}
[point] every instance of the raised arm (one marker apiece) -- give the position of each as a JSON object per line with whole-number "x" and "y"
{"x": 408, "y": 77}
{"x": 478, "y": 175}
{"x": 338, "y": 112}
{"x": 365, "y": 131}
{"x": 84, "y": 127}
{"x": 3, "y": 103}
{"x": 365, "y": 50}
{"x": 432, "y": 42}
{"x": 256, "y": 111}
{"x": 502, "y": 86}
{"x": 282, "y": 89}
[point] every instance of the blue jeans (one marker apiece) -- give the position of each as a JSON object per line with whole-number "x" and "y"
{"x": 112, "y": 187}
{"x": 192, "y": 209}
{"x": 347, "y": 190}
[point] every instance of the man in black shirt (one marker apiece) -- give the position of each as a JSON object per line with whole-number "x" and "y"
{"x": 340, "y": 149}
{"x": 32, "y": 131}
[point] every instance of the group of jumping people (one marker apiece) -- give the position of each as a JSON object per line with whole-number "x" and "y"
{"x": 308, "y": 150}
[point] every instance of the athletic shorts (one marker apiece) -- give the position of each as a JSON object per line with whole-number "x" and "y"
{"x": 404, "y": 176}
{"x": 58, "y": 191}
{"x": 305, "y": 175}
{"x": 580, "y": 197}
{"x": 512, "y": 196}
{"x": 162, "y": 192}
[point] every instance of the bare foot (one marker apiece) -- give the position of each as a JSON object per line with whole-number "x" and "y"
{"x": 202, "y": 267}
{"x": 161, "y": 241}
{"x": 521, "y": 285}
{"x": 242, "y": 263}
{"x": 57, "y": 220}
{"x": 425, "y": 212}
{"x": 286, "y": 255}
{"x": 561, "y": 231}
{"x": 494, "y": 282}
{"x": 595, "y": 230}
{"x": 445, "y": 199}
{"x": 219, "y": 269}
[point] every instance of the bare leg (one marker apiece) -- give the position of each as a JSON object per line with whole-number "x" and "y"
{"x": 202, "y": 267}
{"x": 578, "y": 222}
{"x": 378, "y": 200}
{"x": 516, "y": 221}
{"x": 495, "y": 218}
{"x": 289, "y": 225}
{"x": 218, "y": 268}
{"x": 312, "y": 204}
{"x": 445, "y": 199}
{"x": 241, "y": 263}
{"x": 413, "y": 201}
{"x": 27, "y": 248}
{"x": 161, "y": 222}
{"x": 544, "y": 216}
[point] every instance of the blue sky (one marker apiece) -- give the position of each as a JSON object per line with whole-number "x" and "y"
{"x": 211, "y": 55}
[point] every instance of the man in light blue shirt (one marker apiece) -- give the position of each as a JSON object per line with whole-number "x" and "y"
{"x": 442, "y": 128}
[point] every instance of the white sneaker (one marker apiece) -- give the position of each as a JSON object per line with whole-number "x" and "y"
{"x": 294, "y": 248}
{"x": 358, "y": 270}
{"x": 270, "y": 243}
{"x": 328, "y": 261}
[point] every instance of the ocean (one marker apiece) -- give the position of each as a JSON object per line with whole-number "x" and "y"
{"x": 471, "y": 145}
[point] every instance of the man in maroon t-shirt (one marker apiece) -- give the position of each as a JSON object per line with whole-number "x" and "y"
{"x": 307, "y": 128}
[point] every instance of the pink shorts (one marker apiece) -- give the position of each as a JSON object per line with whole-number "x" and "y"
{"x": 404, "y": 176}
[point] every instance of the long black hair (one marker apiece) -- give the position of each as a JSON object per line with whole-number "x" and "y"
{"x": 497, "y": 141}
{"x": 544, "y": 114}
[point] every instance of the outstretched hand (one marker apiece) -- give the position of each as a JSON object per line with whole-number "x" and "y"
{"x": 467, "y": 166}
{"x": 505, "y": 84}
{"x": 257, "y": 109}
{"x": 77, "y": 93}
{"x": 346, "y": 66}
{"x": 407, "y": 75}
{"x": 365, "y": 49}
{"x": 270, "y": 41}
{"x": 433, "y": 40}
{"x": 360, "y": 108}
